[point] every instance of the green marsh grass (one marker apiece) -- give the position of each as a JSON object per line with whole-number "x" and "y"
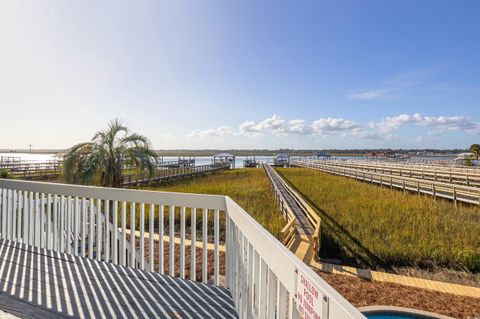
{"x": 248, "y": 187}
{"x": 383, "y": 227}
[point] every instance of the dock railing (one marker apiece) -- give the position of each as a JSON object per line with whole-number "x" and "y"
{"x": 454, "y": 192}
{"x": 265, "y": 279}
{"x": 143, "y": 179}
{"x": 463, "y": 176}
{"x": 288, "y": 232}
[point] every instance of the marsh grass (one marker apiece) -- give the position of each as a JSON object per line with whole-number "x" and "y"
{"x": 248, "y": 187}
{"x": 383, "y": 227}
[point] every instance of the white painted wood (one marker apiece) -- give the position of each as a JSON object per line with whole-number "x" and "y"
{"x": 261, "y": 273}
{"x": 123, "y": 246}
{"x": 98, "y": 239}
{"x": 204, "y": 246}
{"x": 14, "y": 215}
{"x": 9, "y": 214}
{"x": 147, "y": 197}
{"x": 142, "y": 236}
{"x": 76, "y": 232}
{"x": 69, "y": 231}
{"x": 115, "y": 245}
{"x": 49, "y": 221}
{"x": 161, "y": 250}
{"x": 107, "y": 231}
{"x": 216, "y": 265}
{"x": 18, "y": 231}
{"x": 4, "y": 213}
{"x": 193, "y": 246}
{"x": 91, "y": 224}
{"x": 61, "y": 229}
{"x": 171, "y": 257}
{"x": 151, "y": 246}
{"x": 26, "y": 221}
{"x": 182, "y": 242}
{"x": 83, "y": 236}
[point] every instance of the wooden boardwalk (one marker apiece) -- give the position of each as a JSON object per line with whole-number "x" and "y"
{"x": 455, "y": 175}
{"x": 301, "y": 235}
{"x": 41, "y": 283}
{"x": 454, "y": 192}
{"x": 161, "y": 175}
{"x": 33, "y": 170}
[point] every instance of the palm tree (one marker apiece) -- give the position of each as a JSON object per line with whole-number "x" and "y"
{"x": 102, "y": 160}
{"x": 5, "y": 173}
{"x": 475, "y": 149}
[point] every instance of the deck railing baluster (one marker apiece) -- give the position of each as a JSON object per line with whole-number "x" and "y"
{"x": 182, "y": 242}
{"x": 260, "y": 273}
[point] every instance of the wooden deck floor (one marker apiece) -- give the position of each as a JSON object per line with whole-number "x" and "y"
{"x": 40, "y": 283}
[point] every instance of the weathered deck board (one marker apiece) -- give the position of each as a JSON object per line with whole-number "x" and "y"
{"x": 70, "y": 286}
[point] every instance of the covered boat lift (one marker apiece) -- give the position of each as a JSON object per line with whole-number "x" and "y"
{"x": 224, "y": 157}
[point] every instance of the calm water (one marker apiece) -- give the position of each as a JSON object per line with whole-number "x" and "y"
{"x": 199, "y": 160}
{"x": 28, "y": 157}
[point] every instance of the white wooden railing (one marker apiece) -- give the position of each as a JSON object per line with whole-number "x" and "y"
{"x": 265, "y": 279}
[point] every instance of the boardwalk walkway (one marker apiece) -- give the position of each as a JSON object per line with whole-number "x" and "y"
{"x": 304, "y": 241}
{"x": 41, "y": 283}
{"x": 161, "y": 175}
{"x": 454, "y": 192}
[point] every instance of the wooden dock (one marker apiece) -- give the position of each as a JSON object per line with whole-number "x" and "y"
{"x": 162, "y": 175}
{"x": 451, "y": 191}
{"x": 41, "y": 283}
{"x": 455, "y": 175}
{"x": 33, "y": 170}
{"x": 302, "y": 233}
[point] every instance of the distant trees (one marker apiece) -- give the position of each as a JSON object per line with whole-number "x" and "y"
{"x": 102, "y": 160}
{"x": 475, "y": 149}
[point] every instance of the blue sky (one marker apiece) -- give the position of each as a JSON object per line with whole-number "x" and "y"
{"x": 242, "y": 74}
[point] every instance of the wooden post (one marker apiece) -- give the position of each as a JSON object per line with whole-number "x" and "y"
{"x": 454, "y": 195}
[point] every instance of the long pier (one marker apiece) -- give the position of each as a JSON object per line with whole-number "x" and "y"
{"x": 32, "y": 170}
{"x": 456, "y": 175}
{"x": 162, "y": 175}
{"x": 451, "y": 191}
{"x": 302, "y": 233}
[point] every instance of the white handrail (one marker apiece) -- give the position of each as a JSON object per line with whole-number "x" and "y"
{"x": 264, "y": 277}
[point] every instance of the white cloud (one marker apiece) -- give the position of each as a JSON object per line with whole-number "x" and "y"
{"x": 274, "y": 124}
{"x": 390, "y": 123}
{"x": 220, "y": 131}
{"x": 330, "y": 125}
{"x": 374, "y": 131}
{"x": 440, "y": 123}
{"x": 448, "y": 123}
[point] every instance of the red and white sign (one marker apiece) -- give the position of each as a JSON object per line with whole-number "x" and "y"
{"x": 310, "y": 301}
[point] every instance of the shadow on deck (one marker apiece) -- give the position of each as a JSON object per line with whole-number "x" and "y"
{"x": 40, "y": 283}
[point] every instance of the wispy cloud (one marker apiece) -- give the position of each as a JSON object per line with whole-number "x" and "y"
{"x": 369, "y": 94}
{"x": 390, "y": 88}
